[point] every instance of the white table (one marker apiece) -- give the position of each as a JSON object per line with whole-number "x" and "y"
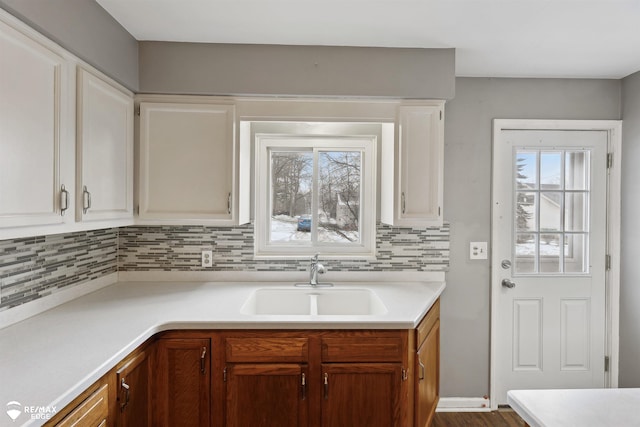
{"x": 572, "y": 408}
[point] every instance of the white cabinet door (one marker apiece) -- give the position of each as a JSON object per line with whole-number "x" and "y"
{"x": 187, "y": 163}
{"x": 105, "y": 150}
{"x": 416, "y": 166}
{"x": 34, "y": 132}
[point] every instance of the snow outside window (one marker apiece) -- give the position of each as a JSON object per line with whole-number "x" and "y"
{"x": 315, "y": 194}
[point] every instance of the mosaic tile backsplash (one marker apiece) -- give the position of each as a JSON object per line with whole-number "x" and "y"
{"x": 35, "y": 267}
{"x": 171, "y": 248}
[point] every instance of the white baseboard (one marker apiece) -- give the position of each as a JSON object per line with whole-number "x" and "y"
{"x": 464, "y": 404}
{"x": 32, "y": 308}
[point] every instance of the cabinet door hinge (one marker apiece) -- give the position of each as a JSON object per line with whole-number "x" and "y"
{"x": 606, "y": 363}
{"x": 405, "y": 375}
{"x": 609, "y": 160}
{"x": 224, "y": 375}
{"x": 607, "y": 262}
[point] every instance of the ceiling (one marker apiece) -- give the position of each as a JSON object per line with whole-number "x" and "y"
{"x": 492, "y": 38}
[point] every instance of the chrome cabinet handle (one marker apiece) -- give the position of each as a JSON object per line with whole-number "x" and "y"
{"x": 86, "y": 200}
{"x": 326, "y": 386}
{"x": 127, "y": 395}
{"x": 303, "y": 384}
{"x": 508, "y": 283}
{"x": 403, "y": 202}
{"x": 204, "y": 352}
{"x": 229, "y": 204}
{"x": 421, "y": 375}
{"x": 64, "y": 200}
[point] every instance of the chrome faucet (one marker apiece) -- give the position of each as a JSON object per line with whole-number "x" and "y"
{"x": 315, "y": 269}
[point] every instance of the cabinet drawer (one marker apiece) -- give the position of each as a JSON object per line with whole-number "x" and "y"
{"x": 92, "y": 412}
{"x": 255, "y": 349}
{"x": 362, "y": 349}
{"x": 427, "y": 323}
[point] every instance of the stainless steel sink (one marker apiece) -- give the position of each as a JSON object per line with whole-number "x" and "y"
{"x": 312, "y": 302}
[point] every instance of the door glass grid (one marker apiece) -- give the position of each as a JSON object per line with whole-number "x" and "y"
{"x": 551, "y": 211}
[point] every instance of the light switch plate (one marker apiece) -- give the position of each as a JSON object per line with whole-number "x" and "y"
{"x": 478, "y": 250}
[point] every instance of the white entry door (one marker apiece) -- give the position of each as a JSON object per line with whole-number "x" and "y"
{"x": 549, "y": 239}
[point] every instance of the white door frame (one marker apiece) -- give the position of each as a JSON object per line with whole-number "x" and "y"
{"x": 614, "y": 130}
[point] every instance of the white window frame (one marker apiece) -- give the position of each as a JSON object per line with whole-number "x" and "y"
{"x": 366, "y": 145}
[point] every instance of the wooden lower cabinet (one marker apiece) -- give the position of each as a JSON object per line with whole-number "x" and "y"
{"x": 132, "y": 379}
{"x": 271, "y": 378}
{"x": 362, "y": 395}
{"x": 182, "y": 383}
{"x": 266, "y": 395}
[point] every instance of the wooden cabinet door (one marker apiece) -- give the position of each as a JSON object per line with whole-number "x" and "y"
{"x": 267, "y": 395}
{"x": 361, "y": 395}
{"x": 182, "y": 377}
{"x": 134, "y": 392}
{"x": 105, "y": 150}
{"x": 36, "y": 138}
{"x": 187, "y": 163}
{"x": 428, "y": 377}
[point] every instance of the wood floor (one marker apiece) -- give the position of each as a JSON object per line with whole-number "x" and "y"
{"x": 501, "y": 418}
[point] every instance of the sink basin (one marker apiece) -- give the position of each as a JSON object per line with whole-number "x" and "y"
{"x": 305, "y": 302}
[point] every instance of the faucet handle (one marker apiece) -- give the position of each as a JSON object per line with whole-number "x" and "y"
{"x": 314, "y": 258}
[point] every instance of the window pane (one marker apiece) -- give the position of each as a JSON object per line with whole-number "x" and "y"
{"x": 526, "y": 211}
{"x": 550, "y": 253}
{"x": 550, "y": 213}
{"x": 526, "y": 170}
{"x": 575, "y": 251}
{"x": 525, "y": 253}
{"x": 577, "y": 170}
{"x": 339, "y": 196}
{"x": 550, "y": 170}
{"x": 291, "y": 178}
{"x": 575, "y": 212}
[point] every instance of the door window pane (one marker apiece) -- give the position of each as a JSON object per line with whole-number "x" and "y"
{"x": 526, "y": 170}
{"x": 549, "y": 253}
{"x": 550, "y": 212}
{"x": 551, "y": 170}
{"x": 553, "y": 213}
{"x": 576, "y": 170}
{"x": 525, "y": 252}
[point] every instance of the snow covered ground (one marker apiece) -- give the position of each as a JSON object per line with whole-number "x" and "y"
{"x": 285, "y": 229}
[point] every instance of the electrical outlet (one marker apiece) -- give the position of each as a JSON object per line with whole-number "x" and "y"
{"x": 207, "y": 259}
{"x": 478, "y": 250}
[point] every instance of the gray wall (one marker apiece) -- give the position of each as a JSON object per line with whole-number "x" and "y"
{"x": 236, "y": 69}
{"x": 467, "y": 194}
{"x": 85, "y": 29}
{"x": 630, "y": 274}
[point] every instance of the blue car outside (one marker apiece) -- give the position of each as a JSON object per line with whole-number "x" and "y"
{"x": 304, "y": 223}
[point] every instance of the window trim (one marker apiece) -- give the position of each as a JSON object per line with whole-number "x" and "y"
{"x": 366, "y": 144}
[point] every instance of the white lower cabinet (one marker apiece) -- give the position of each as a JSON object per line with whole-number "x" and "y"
{"x": 36, "y": 140}
{"x": 187, "y": 163}
{"x": 105, "y": 150}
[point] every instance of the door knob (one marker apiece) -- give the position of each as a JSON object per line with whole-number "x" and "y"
{"x": 508, "y": 283}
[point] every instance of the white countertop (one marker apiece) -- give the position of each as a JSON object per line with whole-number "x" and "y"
{"x": 571, "y": 408}
{"x": 49, "y": 359}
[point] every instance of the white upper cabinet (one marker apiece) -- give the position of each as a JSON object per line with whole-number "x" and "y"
{"x": 36, "y": 140}
{"x": 188, "y": 162}
{"x": 412, "y": 168}
{"x": 104, "y": 149}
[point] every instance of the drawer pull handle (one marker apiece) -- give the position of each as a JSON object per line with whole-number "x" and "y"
{"x": 422, "y": 373}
